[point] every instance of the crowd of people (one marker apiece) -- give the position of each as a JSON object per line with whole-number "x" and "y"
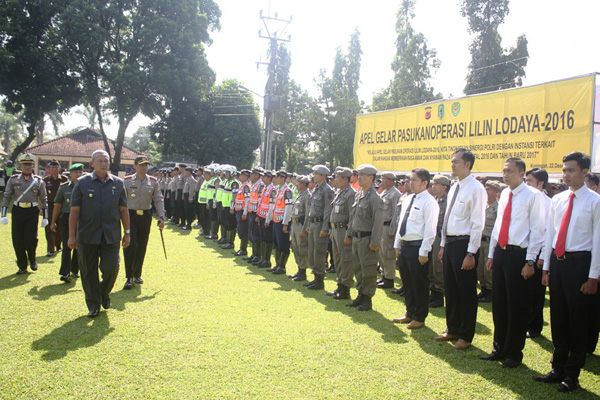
{"x": 514, "y": 236}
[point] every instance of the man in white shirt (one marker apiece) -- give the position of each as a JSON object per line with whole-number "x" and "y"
{"x": 459, "y": 246}
{"x": 413, "y": 243}
{"x": 571, "y": 270}
{"x": 515, "y": 243}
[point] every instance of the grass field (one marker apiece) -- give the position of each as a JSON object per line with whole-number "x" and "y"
{"x": 207, "y": 326}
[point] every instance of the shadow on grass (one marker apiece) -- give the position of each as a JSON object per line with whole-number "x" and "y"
{"x": 13, "y": 281}
{"x": 46, "y": 292}
{"x": 119, "y": 299}
{"x": 80, "y": 333}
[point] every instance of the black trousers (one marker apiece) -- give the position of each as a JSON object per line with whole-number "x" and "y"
{"x": 135, "y": 253}
{"x": 569, "y": 313}
{"x": 228, "y": 218}
{"x": 536, "y": 301}
{"x": 266, "y": 233}
{"x": 242, "y": 226}
{"x": 190, "y": 210}
{"x": 168, "y": 210}
{"x": 197, "y": 209}
{"x": 204, "y": 218}
{"x": 91, "y": 257}
{"x": 53, "y": 239}
{"x": 461, "y": 291}
{"x": 24, "y": 234}
{"x": 282, "y": 240}
{"x": 415, "y": 279}
{"x": 180, "y": 207}
{"x": 214, "y": 218}
{"x": 68, "y": 262}
{"x": 253, "y": 228}
{"x": 509, "y": 299}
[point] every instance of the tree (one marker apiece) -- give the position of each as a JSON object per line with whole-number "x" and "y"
{"x": 492, "y": 67}
{"x": 414, "y": 65}
{"x": 36, "y": 74}
{"x": 11, "y": 130}
{"x": 133, "y": 51}
{"x": 89, "y": 113}
{"x": 143, "y": 141}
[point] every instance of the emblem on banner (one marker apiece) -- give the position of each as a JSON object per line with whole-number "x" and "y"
{"x": 441, "y": 111}
{"x": 455, "y": 108}
{"x": 427, "y": 112}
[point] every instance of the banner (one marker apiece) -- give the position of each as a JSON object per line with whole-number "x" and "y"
{"x": 539, "y": 124}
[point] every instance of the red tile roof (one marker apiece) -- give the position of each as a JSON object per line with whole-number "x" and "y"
{"x": 79, "y": 144}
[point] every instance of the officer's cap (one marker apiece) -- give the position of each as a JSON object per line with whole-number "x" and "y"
{"x": 76, "y": 167}
{"x": 26, "y": 159}
{"x": 268, "y": 173}
{"x": 9, "y": 163}
{"x": 191, "y": 169}
{"x": 245, "y": 172}
{"x": 258, "y": 170}
{"x": 53, "y": 163}
{"x": 494, "y": 185}
{"x": 303, "y": 179}
{"x": 143, "y": 160}
{"x": 388, "y": 175}
{"x": 282, "y": 174}
{"x": 321, "y": 169}
{"x": 442, "y": 180}
{"x": 343, "y": 172}
{"x": 182, "y": 166}
{"x": 367, "y": 169}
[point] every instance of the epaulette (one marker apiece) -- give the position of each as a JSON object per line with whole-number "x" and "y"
{"x": 129, "y": 176}
{"x": 153, "y": 178}
{"x": 64, "y": 183}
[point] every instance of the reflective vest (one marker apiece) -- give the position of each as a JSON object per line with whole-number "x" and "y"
{"x": 220, "y": 192}
{"x": 203, "y": 193}
{"x": 265, "y": 200}
{"x": 212, "y": 185}
{"x": 280, "y": 203}
{"x": 240, "y": 197}
{"x": 227, "y": 196}
{"x": 254, "y": 196}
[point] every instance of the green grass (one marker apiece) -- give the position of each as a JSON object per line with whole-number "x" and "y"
{"x": 205, "y": 325}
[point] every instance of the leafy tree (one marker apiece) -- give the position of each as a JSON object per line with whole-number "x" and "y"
{"x": 492, "y": 67}
{"x": 143, "y": 141}
{"x": 11, "y": 130}
{"x": 414, "y": 64}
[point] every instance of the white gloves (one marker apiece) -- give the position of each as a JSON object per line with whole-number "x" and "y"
{"x": 44, "y": 222}
{"x": 4, "y": 220}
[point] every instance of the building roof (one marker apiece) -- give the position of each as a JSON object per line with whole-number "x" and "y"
{"x": 79, "y": 144}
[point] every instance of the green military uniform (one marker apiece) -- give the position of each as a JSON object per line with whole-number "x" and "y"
{"x": 387, "y": 254}
{"x": 69, "y": 263}
{"x": 300, "y": 244}
{"x": 436, "y": 267}
{"x": 483, "y": 275}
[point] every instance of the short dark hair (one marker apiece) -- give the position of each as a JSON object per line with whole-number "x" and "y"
{"x": 593, "y": 178}
{"x": 423, "y": 174}
{"x": 467, "y": 156}
{"x": 539, "y": 174}
{"x": 518, "y": 162}
{"x": 582, "y": 159}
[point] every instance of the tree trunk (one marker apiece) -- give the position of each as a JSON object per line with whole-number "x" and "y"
{"x": 123, "y": 124}
{"x": 104, "y": 138}
{"x": 28, "y": 140}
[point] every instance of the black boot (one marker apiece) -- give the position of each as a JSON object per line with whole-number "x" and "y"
{"x": 366, "y": 304}
{"x": 487, "y": 298}
{"x": 343, "y": 293}
{"x": 266, "y": 256}
{"x": 300, "y": 275}
{"x": 438, "y": 299}
{"x": 253, "y": 256}
{"x": 317, "y": 284}
{"x": 277, "y": 257}
{"x": 356, "y": 302}
{"x": 336, "y": 291}
{"x": 243, "y": 248}
{"x": 282, "y": 263}
{"x": 260, "y": 247}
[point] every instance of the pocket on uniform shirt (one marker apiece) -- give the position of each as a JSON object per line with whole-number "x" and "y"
{"x": 460, "y": 209}
{"x": 416, "y": 215}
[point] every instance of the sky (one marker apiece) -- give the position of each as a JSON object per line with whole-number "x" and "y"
{"x": 562, "y": 41}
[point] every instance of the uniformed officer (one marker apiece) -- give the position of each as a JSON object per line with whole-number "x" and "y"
{"x": 230, "y": 189}
{"x": 299, "y": 235}
{"x": 53, "y": 182}
{"x": 222, "y": 239}
{"x": 200, "y": 181}
{"x": 484, "y": 275}
{"x": 203, "y": 202}
{"x": 317, "y": 226}
{"x": 338, "y": 221}
{"x": 241, "y": 211}
{"x": 387, "y": 256}
{"x": 62, "y": 206}
{"x": 98, "y": 205}
{"x": 211, "y": 204}
{"x": 256, "y": 187}
{"x": 141, "y": 190}
{"x": 364, "y": 233}
{"x": 439, "y": 189}
{"x": 28, "y": 194}
{"x": 189, "y": 192}
{"x": 282, "y": 217}
{"x": 264, "y": 218}
{"x": 9, "y": 169}
{"x": 173, "y": 196}
{"x": 179, "y": 200}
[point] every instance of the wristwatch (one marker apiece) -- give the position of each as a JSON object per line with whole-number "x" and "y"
{"x": 531, "y": 263}
{"x": 471, "y": 254}
{"x": 127, "y": 231}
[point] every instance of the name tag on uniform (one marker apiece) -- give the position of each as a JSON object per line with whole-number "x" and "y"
{"x": 296, "y": 211}
{"x": 337, "y": 209}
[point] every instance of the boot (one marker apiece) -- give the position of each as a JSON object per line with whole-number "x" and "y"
{"x": 356, "y": 302}
{"x": 267, "y": 256}
{"x": 487, "y": 298}
{"x": 336, "y": 291}
{"x": 343, "y": 293}
{"x": 366, "y": 304}
{"x": 317, "y": 284}
{"x": 253, "y": 253}
{"x": 260, "y": 247}
{"x": 243, "y": 246}
{"x": 482, "y": 293}
{"x": 277, "y": 257}
{"x": 438, "y": 299}
{"x": 300, "y": 275}
{"x": 282, "y": 263}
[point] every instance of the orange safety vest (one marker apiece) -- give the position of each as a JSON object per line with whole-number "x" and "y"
{"x": 254, "y": 196}
{"x": 280, "y": 203}
{"x": 265, "y": 200}
{"x": 240, "y": 198}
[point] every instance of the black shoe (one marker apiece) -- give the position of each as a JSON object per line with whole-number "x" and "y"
{"x": 568, "y": 385}
{"x": 366, "y": 304}
{"x": 492, "y": 357}
{"x": 551, "y": 377}
{"x": 75, "y": 276}
{"x": 273, "y": 268}
{"x": 264, "y": 264}
{"x": 106, "y": 303}
{"x": 49, "y": 254}
{"x": 487, "y": 298}
{"x": 93, "y": 313}
{"x": 300, "y": 277}
{"x": 401, "y": 291}
{"x": 510, "y": 363}
{"x": 239, "y": 253}
{"x": 356, "y": 302}
{"x": 257, "y": 261}
{"x": 343, "y": 293}
{"x": 279, "y": 271}
{"x": 330, "y": 270}
{"x": 317, "y": 284}
{"x": 532, "y": 335}
{"x": 128, "y": 284}
{"x": 34, "y": 267}
{"x": 222, "y": 241}
{"x": 386, "y": 284}
{"x": 336, "y": 291}
{"x": 139, "y": 281}
{"x": 436, "y": 303}
{"x": 482, "y": 293}
{"x": 21, "y": 271}
{"x": 227, "y": 246}
{"x": 65, "y": 278}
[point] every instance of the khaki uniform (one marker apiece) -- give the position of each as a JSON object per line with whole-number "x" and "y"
{"x": 338, "y": 221}
{"x": 387, "y": 254}
{"x": 365, "y": 228}
{"x": 436, "y": 267}
{"x": 300, "y": 245}
{"x": 483, "y": 275}
{"x": 317, "y": 221}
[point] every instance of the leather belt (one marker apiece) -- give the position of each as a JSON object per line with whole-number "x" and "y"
{"x": 298, "y": 220}
{"x": 411, "y": 243}
{"x": 139, "y": 212}
{"x": 485, "y": 238}
{"x": 23, "y": 204}
{"x": 450, "y": 239}
{"x": 573, "y": 254}
{"x": 335, "y": 225}
{"x": 316, "y": 219}
{"x": 387, "y": 223}
{"x": 511, "y": 247}
{"x": 358, "y": 234}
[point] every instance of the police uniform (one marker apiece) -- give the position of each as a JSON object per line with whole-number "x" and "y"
{"x": 53, "y": 239}
{"x": 219, "y": 206}
{"x": 265, "y": 227}
{"x": 342, "y": 253}
{"x": 173, "y": 195}
{"x": 212, "y": 205}
{"x": 317, "y": 221}
{"x": 203, "y": 203}
{"x": 69, "y": 263}
{"x": 230, "y": 189}
{"x": 365, "y": 228}
{"x": 180, "y": 201}
{"x": 387, "y": 255}
{"x": 282, "y": 216}
{"x": 436, "y": 267}
{"x": 299, "y": 235}
{"x": 252, "y": 208}
{"x": 240, "y": 201}
{"x": 189, "y": 189}
{"x": 140, "y": 195}
{"x": 199, "y": 182}
{"x": 28, "y": 195}
{"x": 483, "y": 275}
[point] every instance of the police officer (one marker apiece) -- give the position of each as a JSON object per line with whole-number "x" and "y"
{"x": 98, "y": 205}
{"x": 200, "y": 181}
{"x": 211, "y": 204}
{"x": 179, "y": 200}
{"x": 299, "y": 236}
{"x": 439, "y": 189}
{"x": 53, "y": 182}
{"x": 317, "y": 226}
{"x": 62, "y": 206}
{"x": 264, "y": 218}
{"x": 338, "y": 221}
{"x": 203, "y": 202}
{"x": 387, "y": 256}
{"x": 282, "y": 216}
{"x": 28, "y": 194}
{"x": 484, "y": 275}
{"x": 189, "y": 188}
{"x": 364, "y": 233}
{"x": 173, "y": 196}
{"x": 141, "y": 190}
{"x": 230, "y": 189}
{"x": 256, "y": 187}
{"x": 241, "y": 211}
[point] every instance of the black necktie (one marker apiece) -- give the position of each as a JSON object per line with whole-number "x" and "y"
{"x": 405, "y": 219}
{"x": 447, "y": 216}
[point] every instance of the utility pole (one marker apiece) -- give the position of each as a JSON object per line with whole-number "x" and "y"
{"x": 272, "y": 100}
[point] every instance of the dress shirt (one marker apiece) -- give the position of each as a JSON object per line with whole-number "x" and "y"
{"x": 584, "y": 228}
{"x": 421, "y": 223}
{"x": 467, "y": 217}
{"x": 527, "y": 220}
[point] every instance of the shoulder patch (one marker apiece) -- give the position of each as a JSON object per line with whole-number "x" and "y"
{"x": 288, "y": 194}
{"x": 128, "y": 176}
{"x": 64, "y": 183}
{"x": 153, "y": 178}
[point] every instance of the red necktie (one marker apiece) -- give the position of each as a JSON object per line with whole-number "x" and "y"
{"x": 561, "y": 239}
{"x": 503, "y": 236}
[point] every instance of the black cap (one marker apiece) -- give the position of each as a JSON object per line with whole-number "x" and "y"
{"x": 141, "y": 160}
{"x": 53, "y": 163}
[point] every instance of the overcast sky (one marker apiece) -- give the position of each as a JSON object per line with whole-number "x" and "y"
{"x": 563, "y": 41}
